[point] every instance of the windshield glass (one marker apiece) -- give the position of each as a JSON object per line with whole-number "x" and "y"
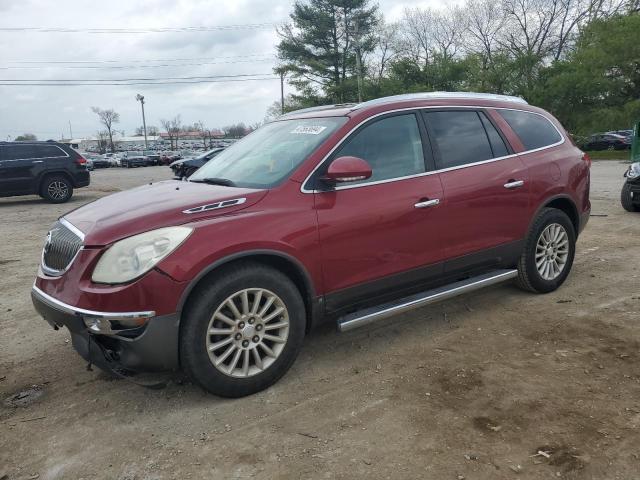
{"x": 270, "y": 154}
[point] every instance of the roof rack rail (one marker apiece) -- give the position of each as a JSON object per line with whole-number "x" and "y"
{"x": 439, "y": 95}
{"x": 320, "y": 108}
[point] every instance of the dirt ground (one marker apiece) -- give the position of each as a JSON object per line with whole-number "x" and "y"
{"x": 470, "y": 389}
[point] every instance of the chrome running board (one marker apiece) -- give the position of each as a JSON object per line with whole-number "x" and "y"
{"x": 373, "y": 314}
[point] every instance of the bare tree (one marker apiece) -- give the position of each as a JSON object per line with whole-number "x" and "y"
{"x": 484, "y": 21}
{"x": 102, "y": 139}
{"x": 107, "y": 118}
{"x": 387, "y": 46}
{"x": 447, "y": 31}
{"x": 173, "y": 128}
{"x": 417, "y": 34}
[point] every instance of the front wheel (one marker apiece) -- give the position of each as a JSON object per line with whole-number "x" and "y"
{"x": 626, "y": 199}
{"x": 242, "y": 330}
{"x": 548, "y": 254}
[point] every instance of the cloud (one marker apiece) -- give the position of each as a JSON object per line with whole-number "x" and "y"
{"x": 46, "y": 111}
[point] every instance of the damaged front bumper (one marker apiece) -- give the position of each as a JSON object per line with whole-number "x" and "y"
{"x": 139, "y": 341}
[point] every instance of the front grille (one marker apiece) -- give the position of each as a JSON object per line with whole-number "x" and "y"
{"x": 60, "y": 248}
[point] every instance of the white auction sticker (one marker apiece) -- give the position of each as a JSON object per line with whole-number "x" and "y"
{"x": 308, "y": 129}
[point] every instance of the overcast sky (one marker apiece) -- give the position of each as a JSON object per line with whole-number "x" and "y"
{"x": 46, "y": 110}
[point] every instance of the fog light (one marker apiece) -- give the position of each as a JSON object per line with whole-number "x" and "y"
{"x": 111, "y": 327}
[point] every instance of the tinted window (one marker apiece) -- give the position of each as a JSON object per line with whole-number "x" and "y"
{"x": 460, "y": 137}
{"x": 534, "y": 131}
{"x": 497, "y": 144}
{"x": 18, "y": 152}
{"x": 392, "y": 146}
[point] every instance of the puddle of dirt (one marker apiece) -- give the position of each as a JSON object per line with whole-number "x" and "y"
{"x": 25, "y": 397}
{"x": 563, "y": 456}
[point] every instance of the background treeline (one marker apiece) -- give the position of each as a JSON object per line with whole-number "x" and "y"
{"x": 579, "y": 59}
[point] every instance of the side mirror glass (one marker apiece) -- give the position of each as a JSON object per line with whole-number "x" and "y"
{"x": 347, "y": 169}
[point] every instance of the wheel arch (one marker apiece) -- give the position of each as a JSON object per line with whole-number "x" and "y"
{"x": 54, "y": 173}
{"x": 283, "y": 262}
{"x": 565, "y": 204}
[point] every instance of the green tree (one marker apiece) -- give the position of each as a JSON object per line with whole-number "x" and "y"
{"x": 26, "y": 137}
{"x": 319, "y": 48}
{"x": 598, "y": 86}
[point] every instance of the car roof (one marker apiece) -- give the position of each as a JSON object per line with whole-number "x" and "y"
{"x": 346, "y": 109}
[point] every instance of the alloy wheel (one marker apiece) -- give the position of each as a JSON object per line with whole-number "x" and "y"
{"x": 552, "y": 251}
{"x": 247, "y": 332}
{"x": 58, "y": 190}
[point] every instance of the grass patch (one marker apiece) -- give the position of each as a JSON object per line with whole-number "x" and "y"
{"x": 621, "y": 155}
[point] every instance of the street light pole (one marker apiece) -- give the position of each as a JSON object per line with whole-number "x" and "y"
{"x": 140, "y": 98}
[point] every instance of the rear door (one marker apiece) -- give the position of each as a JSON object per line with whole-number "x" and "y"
{"x": 381, "y": 236}
{"x": 486, "y": 188}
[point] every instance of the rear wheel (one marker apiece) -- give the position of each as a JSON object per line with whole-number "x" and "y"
{"x": 626, "y": 199}
{"x": 56, "y": 189}
{"x": 549, "y": 250}
{"x": 242, "y": 330}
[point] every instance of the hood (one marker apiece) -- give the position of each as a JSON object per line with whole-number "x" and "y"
{"x": 154, "y": 206}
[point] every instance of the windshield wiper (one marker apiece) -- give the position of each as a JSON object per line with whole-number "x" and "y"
{"x": 215, "y": 181}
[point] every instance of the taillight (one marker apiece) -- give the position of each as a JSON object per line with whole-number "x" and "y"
{"x": 586, "y": 158}
{"x": 81, "y": 161}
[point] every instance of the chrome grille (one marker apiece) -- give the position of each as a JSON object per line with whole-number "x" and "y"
{"x": 60, "y": 249}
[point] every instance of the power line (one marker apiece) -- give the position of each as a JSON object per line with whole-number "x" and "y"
{"x": 52, "y": 80}
{"x": 140, "y": 60}
{"x": 132, "y": 83}
{"x": 211, "y": 28}
{"x": 130, "y": 67}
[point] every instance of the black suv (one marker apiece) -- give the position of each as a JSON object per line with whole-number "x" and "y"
{"x": 49, "y": 169}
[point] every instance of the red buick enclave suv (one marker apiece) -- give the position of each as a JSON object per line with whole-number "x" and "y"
{"x": 344, "y": 213}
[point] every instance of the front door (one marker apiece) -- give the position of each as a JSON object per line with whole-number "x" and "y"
{"x": 381, "y": 236}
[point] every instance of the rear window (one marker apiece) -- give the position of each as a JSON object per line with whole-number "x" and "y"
{"x": 534, "y": 130}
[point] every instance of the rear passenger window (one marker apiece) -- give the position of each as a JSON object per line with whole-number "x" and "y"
{"x": 534, "y": 131}
{"x": 392, "y": 146}
{"x": 460, "y": 137}
{"x": 49, "y": 151}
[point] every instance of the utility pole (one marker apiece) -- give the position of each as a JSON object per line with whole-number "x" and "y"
{"x": 282, "y": 92}
{"x": 356, "y": 38}
{"x": 140, "y": 98}
{"x": 70, "y": 132}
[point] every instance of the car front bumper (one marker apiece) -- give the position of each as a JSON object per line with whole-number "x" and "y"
{"x": 153, "y": 346}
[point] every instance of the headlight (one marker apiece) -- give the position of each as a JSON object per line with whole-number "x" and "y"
{"x": 634, "y": 170}
{"x": 134, "y": 256}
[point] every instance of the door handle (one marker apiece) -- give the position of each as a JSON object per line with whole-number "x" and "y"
{"x": 427, "y": 203}
{"x": 514, "y": 184}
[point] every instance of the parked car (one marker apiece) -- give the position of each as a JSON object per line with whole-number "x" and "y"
{"x": 153, "y": 160}
{"x": 102, "y": 162}
{"x": 134, "y": 161}
{"x": 49, "y": 169}
{"x": 185, "y": 167}
{"x": 607, "y": 141}
{"x": 622, "y": 133}
{"x": 630, "y": 194}
{"x": 348, "y": 214}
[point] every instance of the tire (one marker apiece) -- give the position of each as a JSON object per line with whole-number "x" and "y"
{"x": 56, "y": 189}
{"x": 556, "y": 226}
{"x": 237, "y": 334}
{"x": 627, "y": 200}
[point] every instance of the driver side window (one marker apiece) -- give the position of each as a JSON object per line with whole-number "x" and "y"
{"x": 392, "y": 146}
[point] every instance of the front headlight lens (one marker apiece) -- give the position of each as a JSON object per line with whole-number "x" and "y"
{"x": 634, "y": 170}
{"x": 134, "y": 256}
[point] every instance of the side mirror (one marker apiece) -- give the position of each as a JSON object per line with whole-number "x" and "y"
{"x": 347, "y": 169}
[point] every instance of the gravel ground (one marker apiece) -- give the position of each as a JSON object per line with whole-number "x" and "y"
{"x": 471, "y": 388}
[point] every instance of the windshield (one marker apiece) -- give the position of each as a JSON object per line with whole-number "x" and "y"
{"x": 270, "y": 154}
